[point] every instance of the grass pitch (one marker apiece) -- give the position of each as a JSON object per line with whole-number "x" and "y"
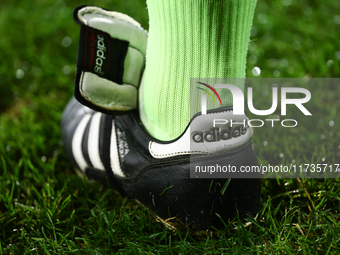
{"x": 46, "y": 208}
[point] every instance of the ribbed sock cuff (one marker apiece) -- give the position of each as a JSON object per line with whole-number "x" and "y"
{"x": 190, "y": 39}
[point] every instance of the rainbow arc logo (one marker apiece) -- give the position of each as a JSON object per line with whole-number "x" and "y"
{"x": 209, "y": 93}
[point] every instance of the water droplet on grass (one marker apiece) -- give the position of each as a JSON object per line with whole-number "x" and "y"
{"x": 66, "y": 69}
{"x": 64, "y": 12}
{"x": 256, "y": 71}
{"x": 284, "y": 62}
{"x": 262, "y": 18}
{"x": 286, "y": 2}
{"x": 297, "y": 45}
{"x": 276, "y": 73}
{"x": 19, "y": 73}
{"x": 66, "y": 42}
{"x": 337, "y": 19}
{"x": 329, "y": 62}
{"x": 308, "y": 10}
{"x": 337, "y": 54}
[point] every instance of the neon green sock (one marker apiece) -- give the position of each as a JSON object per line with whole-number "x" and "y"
{"x": 190, "y": 39}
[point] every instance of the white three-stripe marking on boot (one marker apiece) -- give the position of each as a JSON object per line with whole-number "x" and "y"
{"x": 93, "y": 142}
{"x": 77, "y": 141}
{"x": 114, "y": 157}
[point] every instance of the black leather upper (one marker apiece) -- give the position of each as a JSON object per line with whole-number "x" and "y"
{"x": 194, "y": 202}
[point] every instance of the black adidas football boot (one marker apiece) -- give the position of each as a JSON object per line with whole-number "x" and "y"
{"x": 157, "y": 174}
{"x": 192, "y": 181}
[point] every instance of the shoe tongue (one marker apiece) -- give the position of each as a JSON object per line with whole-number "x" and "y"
{"x": 102, "y": 55}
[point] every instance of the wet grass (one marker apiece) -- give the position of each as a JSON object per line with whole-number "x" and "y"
{"x": 46, "y": 208}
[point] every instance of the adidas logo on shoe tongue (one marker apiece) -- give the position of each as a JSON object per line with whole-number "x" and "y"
{"x": 101, "y": 49}
{"x": 101, "y": 55}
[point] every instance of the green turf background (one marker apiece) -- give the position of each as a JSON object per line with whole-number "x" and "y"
{"x": 46, "y": 208}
